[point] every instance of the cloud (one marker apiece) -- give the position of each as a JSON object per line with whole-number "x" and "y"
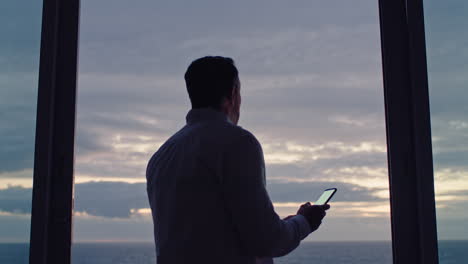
{"x": 18, "y": 115}
{"x": 329, "y": 150}
{"x": 311, "y": 85}
{"x": 15, "y": 199}
{"x": 110, "y": 199}
{"x": 150, "y": 46}
{"x": 23, "y": 178}
{"x": 19, "y": 59}
{"x": 133, "y": 87}
{"x": 332, "y": 229}
{"x": 123, "y": 200}
{"x": 454, "y": 208}
{"x": 86, "y": 229}
{"x": 446, "y": 55}
{"x": 21, "y": 29}
{"x": 310, "y": 191}
{"x": 15, "y": 228}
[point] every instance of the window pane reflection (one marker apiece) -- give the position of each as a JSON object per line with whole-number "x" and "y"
{"x": 20, "y": 31}
{"x": 311, "y": 93}
{"x": 447, "y": 53}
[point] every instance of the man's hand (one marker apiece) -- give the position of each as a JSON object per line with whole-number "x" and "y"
{"x": 313, "y": 213}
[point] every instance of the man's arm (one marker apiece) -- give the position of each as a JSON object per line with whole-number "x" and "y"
{"x": 261, "y": 231}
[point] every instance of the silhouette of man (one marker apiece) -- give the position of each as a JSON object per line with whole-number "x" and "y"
{"x": 206, "y": 183}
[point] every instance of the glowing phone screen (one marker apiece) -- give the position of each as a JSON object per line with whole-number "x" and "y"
{"x": 325, "y": 197}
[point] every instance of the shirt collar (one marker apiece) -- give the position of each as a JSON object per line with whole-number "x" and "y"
{"x": 196, "y": 115}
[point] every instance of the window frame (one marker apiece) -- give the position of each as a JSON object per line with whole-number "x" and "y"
{"x": 409, "y": 143}
{"x": 52, "y": 205}
{"x": 411, "y": 180}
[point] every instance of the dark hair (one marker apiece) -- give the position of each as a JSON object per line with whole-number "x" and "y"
{"x": 209, "y": 80}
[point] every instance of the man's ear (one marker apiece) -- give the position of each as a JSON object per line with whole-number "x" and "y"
{"x": 227, "y": 103}
{"x": 233, "y": 93}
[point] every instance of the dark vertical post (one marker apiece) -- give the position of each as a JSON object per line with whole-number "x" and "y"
{"x": 51, "y": 216}
{"x": 411, "y": 177}
{"x": 422, "y": 136}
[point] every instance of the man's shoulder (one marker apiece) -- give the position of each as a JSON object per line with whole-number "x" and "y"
{"x": 240, "y": 135}
{"x": 221, "y": 135}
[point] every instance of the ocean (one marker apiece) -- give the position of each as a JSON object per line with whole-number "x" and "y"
{"x": 450, "y": 252}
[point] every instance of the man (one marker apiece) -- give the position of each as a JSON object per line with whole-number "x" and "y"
{"x": 206, "y": 184}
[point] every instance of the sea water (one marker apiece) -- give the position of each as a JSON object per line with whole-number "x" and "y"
{"x": 450, "y": 252}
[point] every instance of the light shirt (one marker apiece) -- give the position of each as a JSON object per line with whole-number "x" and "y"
{"x": 206, "y": 188}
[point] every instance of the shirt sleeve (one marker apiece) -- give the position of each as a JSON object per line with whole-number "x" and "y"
{"x": 261, "y": 231}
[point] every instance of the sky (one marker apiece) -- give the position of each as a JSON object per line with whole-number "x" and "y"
{"x": 311, "y": 90}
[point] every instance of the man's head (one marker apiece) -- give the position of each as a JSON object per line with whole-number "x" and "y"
{"x": 214, "y": 82}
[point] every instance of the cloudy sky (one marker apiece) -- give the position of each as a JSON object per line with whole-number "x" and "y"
{"x": 312, "y": 94}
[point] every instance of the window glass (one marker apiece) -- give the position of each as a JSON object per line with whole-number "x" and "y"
{"x": 447, "y": 54}
{"x": 311, "y": 93}
{"x": 20, "y": 31}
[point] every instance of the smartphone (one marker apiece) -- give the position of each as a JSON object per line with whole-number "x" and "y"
{"x": 326, "y": 196}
